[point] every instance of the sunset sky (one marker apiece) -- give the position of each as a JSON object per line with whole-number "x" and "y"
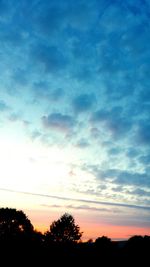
{"x": 75, "y": 113}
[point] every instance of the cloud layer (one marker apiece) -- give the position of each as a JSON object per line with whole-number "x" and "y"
{"x": 76, "y": 75}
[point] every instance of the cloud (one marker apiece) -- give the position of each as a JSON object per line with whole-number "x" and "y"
{"x": 83, "y": 102}
{"x": 118, "y": 189}
{"x": 114, "y": 151}
{"x": 132, "y": 178}
{"x": 109, "y": 215}
{"x": 123, "y": 177}
{"x": 57, "y": 94}
{"x": 144, "y": 159}
{"x": 12, "y": 36}
{"x": 142, "y": 135}
{"x": 49, "y": 57}
{"x": 35, "y": 134}
{"x": 4, "y": 8}
{"x": 3, "y": 106}
{"x": 43, "y": 89}
{"x": 48, "y": 18}
{"x": 130, "y": 206}
{"x": 59, "y": 23}
{"x": 95, "y": 133}
{"x": 83, "y": 15}
{"x": 82, "y": 143}
{"x": 74, "y": 59}
{"x": 139, "y": 192}
{"x": 118, "y": 176}
{"x": 132, "y": 152}
{"x": 20, "y": 77}
{"x": 81, "y": 207}
{"x": 144, "y": 94}
{"x": 59, "y": 122}
{"x": 113, "y": 120}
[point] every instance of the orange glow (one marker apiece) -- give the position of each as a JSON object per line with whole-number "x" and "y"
{"x": 115, "y": 232}
{"x": 42, "y": 220}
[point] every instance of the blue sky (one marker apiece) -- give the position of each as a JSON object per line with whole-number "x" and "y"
{"x": 75, "y": 107}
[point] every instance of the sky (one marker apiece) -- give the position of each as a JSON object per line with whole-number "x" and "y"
{"x": 75, "y": 113}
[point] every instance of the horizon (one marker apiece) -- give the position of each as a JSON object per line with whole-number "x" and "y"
{"x": 84, "y": 238}
{"x": 41, "y": 219}
{"x": 75, "y": 113}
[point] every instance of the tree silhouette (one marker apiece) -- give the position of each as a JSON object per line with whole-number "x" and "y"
{"x": 14, "y": 223}
{"x": 64, "y": 230}
{"x": 102, "y": 240}
{"x": 103, "y": 243}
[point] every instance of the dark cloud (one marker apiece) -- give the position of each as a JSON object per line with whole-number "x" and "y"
{"x": 142, "y": 136}
{"x": 118, "y": 91}
{"x": 122, "y": 177}
{"x": 83, "y": 73}
{"x": 49, "y": 58}
{"x": 102, "y": 187}
{"x": 82, "y": 15}
{"x": 11, "y": 36}
{"x": 49, "y": 18}
{"x": 144, "y": 159}
{"x": 4, "y": 7}
{"x": 118, "y": 189}
{"x": 119, "y": 177}
{"x": 83, "y": 102}
{"x": 57, "y": 94}
{"x": 144, "y": 94}
{"x": 59, "y": 122}
{"x": 132, "y": 152}
{"x": 82, "y": 143}
{"x": 139, "y": 192}
{"x": 138, "y": 179}
{"x": 41, "y": 89}
{"x": 20, "y": 77}
{"x": 112, "y": 120}
{"x": 100, "y": 173}
{"x": 100, "y": 115}
{"x": 82, "y": 49}
{"x": 59, "y": 23}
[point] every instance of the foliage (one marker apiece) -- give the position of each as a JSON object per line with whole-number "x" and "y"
{"x": 65, "y": 230}
{"x": 103, "y": 242}
{"x": 18, "y": 241}
{"x": 14, "y": 223}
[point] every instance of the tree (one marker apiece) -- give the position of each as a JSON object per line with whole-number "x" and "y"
{"x": 103, "y": 242}
{"x": 14, "y": 223}
{"x": 64, "y": 230}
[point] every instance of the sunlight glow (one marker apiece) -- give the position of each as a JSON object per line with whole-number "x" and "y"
{"x": 27, "y": 166}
